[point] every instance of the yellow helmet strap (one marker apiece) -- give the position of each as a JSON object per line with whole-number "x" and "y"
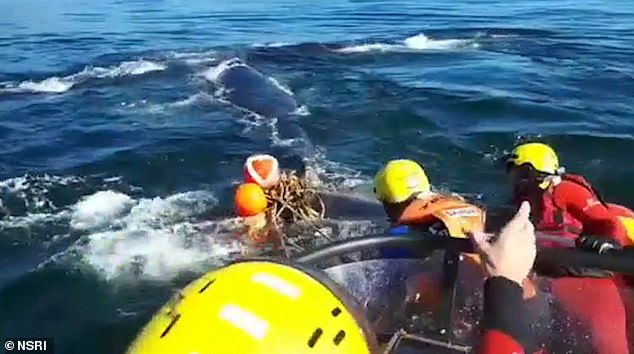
{"x": 549, "y": 181}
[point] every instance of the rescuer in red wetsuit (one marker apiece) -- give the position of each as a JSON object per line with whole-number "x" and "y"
{"x": 566, "y": 205}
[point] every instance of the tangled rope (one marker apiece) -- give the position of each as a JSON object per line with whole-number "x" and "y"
{"x": 294, "y": 201}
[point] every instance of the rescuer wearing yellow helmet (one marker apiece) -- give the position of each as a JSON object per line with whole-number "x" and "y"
{"x": 563, "y": 203}
{"x": 404, "y": 189}
{"x": 410, "y": 204}
{"x": 258, "y": 307}
{"x": 566, "y": 205}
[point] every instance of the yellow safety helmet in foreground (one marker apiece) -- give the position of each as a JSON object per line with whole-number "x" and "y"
{"x": 256, "y": 307}
{"x": 540, "y": 156}
{"x": 399, "y": 180}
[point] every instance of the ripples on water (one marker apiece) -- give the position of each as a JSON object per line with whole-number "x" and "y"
{"x": 118, "y": 152}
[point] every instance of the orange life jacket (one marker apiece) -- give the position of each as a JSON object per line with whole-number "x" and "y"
{"x": 458, "y": 216}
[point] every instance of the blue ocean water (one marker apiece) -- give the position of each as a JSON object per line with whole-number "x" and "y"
{"x": 119, "y": 148}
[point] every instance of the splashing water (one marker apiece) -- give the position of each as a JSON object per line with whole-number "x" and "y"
{"x": 418, "y": 42}
{"x": 57, "y": 84}
{"x": 99, "y": 209}
{"x": 155, "y": 238}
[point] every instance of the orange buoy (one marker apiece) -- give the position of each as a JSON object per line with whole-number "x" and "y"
{"x": 250, "y": 199}
{"x": 263, "y": 170}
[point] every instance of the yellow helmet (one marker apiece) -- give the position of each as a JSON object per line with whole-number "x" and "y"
{"x": 398, "y": 180}
{"x": 256, "y": 307}
{"x": 540, "y": 156}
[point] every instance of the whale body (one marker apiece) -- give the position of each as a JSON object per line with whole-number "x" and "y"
{"x": 250, "y": 90}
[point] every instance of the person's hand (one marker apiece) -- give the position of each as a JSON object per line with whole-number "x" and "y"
{"x": 512, "y": 254}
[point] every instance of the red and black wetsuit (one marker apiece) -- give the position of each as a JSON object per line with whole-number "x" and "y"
{"x": 572, "y": 207}
{"x": 593, "y": 307}
{"x": 507, "y": 329}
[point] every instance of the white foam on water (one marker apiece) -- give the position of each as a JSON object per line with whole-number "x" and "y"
{"x": 122, "y": 238}
{"x": 159, "y": 211}
{"x": 145, "y": 107}
{"x": 419, "y": 42}
{"x": 29, "y": 211}
{"x": 302, "y": 111}
{"x": 57, "y": 84}
{"x": 51, "y": 85}
{"x": 197, "y": 98}
{"x": 334, "y": 175}
{"x": 422, "y": 42}
{"x": 99, "y": 209}
{"x": 371, "y": 47}
{"x": 126, "y": 68}
{"x": 150, "y": 253}
{"x": 186, "y": 55}
{"x": 117, "y": 235}
{"x": 150, "y": 237}
{"x": 113, "y": 179}
{"x": 195, "y": 58}
{"x": 31, "y": 219}
{"x": 505, "y": 35}
{"x": 199, "y": 61}
{"x": 33, "y": 190}
{"x": 15, "y": 184}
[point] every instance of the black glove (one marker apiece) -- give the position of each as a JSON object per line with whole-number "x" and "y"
{"x": 596, "y": 244}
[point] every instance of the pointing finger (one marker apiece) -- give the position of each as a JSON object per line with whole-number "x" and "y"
{"x": 524, "y": 211}
{"x": 519, "y": 220}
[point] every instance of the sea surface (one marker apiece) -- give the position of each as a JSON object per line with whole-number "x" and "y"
{"x": 119, "y": 147}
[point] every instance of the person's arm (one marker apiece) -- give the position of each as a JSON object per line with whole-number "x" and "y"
{"x": 507, "y": 260}
{"x": 594, "y": 215}
{"x": 506, "y": 325}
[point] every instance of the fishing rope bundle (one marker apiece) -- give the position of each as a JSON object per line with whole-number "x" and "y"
{"x": 293, "y": 201}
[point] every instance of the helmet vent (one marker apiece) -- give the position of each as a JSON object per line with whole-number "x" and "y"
{"x": 169, "y": 326}
{"x": 336, "y": 311}
{"x": 206, "y": 286}
{"x": 339, "y": 337}
{"x": 315, "y": 337}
